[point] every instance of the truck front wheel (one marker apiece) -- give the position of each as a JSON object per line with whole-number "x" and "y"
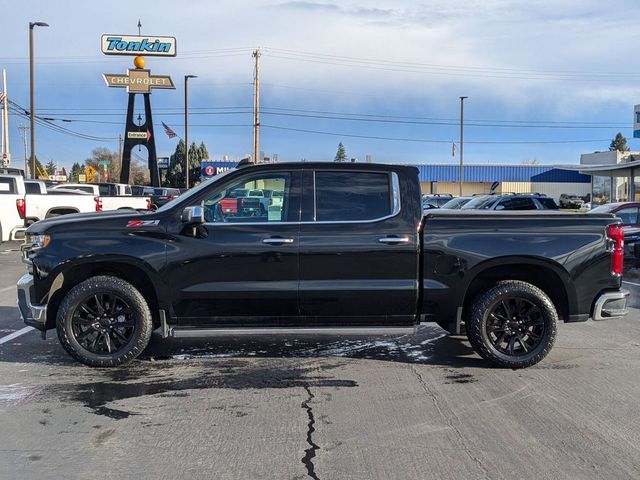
{"x": 513, "y": 325}
{"x": 104, "y": 322}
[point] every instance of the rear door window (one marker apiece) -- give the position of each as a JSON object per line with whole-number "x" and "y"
{"x": 518, "y": 203}
{"x": 351, "y": 196}
{"x": 548, "y": 203}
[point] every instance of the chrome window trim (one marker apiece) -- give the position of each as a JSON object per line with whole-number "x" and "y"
{"x": 396, "y": 209}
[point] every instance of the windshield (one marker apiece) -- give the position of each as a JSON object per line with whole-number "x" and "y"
{"x": 456, "y": 202}
{"x": 481, "y": 203}
{"x": 188, "y": 195}
{"x": 602, "y": 209}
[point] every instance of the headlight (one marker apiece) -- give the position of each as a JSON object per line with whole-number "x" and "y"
{"x": 39, "y": 241}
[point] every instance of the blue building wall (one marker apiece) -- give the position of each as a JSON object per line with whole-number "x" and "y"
{"x": 472, "y": 173}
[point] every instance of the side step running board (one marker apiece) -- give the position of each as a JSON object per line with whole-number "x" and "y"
{"x": 183, "y": 332}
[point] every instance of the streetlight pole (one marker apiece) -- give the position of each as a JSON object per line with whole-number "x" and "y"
{"x": 32, "y": 116}
{"x": 186, "y": 127}
{"x": 461, "y": 142}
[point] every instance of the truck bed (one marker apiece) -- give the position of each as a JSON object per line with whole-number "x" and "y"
{"x": 464, "y": 250}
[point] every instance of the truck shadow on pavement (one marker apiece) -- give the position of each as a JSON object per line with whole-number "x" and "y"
{"x": 430, "y": 345}
{"x": 177, "y": 368}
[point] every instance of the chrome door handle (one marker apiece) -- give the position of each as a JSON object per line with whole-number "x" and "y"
{"x": 393, "y": 240}
{"x": 277, "y": 240}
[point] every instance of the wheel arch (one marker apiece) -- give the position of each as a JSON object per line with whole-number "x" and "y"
{"x": 545, "y": 274}
{"x": 127, "y": 269}
{"x": 58, "y": 210}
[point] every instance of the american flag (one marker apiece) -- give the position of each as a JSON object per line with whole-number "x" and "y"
{"x": 453, "y": 149}
{"x": 2, "y": 96}
{"x": 170, "y": 133}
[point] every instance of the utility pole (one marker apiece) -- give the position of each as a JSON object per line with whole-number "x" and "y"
{"x": 6, "y": 152}
{"x": 120, "y": 149}
{"x": 461, "y": 142}
{"x": 23, "y": 130}
{"x": 32, "y": 115}
{"x": 256, "y": 107}
{"x": 186, "y": 128}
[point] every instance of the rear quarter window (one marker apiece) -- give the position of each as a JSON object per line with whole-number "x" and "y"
{"x": 350, "y": 196}
{"x": 7, "y": 186}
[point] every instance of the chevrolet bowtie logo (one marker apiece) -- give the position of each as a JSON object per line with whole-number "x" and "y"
{"x": 138, "y": 81}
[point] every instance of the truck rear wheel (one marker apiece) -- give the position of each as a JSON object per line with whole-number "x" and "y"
{"x": 513, "y": 325}
{"x": 104, "y": 322}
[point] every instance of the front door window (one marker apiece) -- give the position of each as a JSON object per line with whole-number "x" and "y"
{"x": 254, "y": 199}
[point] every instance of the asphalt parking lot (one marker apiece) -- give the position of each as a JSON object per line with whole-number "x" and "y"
{"x": 411, "y": 407}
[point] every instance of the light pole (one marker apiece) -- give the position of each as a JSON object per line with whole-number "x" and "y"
{"x": 32, "y": 116}
{"x": 461, "y": 141}
{"x": 186, "y": 127}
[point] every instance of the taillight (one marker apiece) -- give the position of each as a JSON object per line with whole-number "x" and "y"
{"x": 241, "y": 202}
{"x": 21, "y": 205}
{"x": 615, "y": 234}
{"x": 98, "y": 201}
{"x": 149, "y": 204}
{"x": 170, "y": 197}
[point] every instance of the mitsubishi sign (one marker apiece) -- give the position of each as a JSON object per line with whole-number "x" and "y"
{"x": 146, "y": 45}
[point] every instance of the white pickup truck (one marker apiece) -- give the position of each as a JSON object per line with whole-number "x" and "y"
{"x": 111, "y": 196}
{"x": 41, "y": 203}
{"x": 11, "y": 204}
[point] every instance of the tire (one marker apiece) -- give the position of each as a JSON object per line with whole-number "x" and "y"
{"x": 124, "y": 336}
{"x": 532, "y": 324}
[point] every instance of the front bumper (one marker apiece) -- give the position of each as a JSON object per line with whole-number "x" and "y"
{"x": 611, "y": 305}
{"x": 33, "y": 314}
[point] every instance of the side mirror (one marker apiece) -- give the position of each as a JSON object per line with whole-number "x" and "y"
{"x": 193, "y": 215}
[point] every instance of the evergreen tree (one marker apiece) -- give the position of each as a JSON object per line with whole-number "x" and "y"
{"x": 50, "y": 167}
{"x": 619, "y": 143}
{"x": 76, "y": 169}
{"x": 341, "y": 154}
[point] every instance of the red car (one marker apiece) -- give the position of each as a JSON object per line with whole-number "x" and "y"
{"x": 626, "y": 211}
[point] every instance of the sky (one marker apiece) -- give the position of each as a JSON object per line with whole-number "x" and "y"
{"x": 545, "y": 80}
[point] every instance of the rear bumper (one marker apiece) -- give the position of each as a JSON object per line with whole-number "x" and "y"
{"x": 611, "y": 305}
{"x": 33, "y": 314}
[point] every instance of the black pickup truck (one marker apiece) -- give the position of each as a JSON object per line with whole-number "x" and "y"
{"x": 346, "y": 251}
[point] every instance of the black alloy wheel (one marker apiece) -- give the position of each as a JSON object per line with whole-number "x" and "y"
{"x": 513, "y": 324}
{"x": 102, "y": 323}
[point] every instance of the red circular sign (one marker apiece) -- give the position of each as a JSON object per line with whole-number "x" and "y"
{"x": 209, "y": 171}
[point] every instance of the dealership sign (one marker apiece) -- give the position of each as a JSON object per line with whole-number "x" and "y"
{"x": 636, "y": 121}
{"x": 211, "y": 170}
{"x": 146, "y": 45}
{"x": 138, "y": 81}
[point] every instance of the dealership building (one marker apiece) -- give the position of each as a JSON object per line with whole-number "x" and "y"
{"x": 479, "y": 178}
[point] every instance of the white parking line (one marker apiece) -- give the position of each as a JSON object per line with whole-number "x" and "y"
{"x": 6, "y": 289}
{"x": 13, "y": 335}
{"x": 631, "y": 283}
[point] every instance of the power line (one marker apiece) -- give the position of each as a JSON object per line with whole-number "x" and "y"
{"x": 238, "y": 110}
{"x": 424, "y": 140}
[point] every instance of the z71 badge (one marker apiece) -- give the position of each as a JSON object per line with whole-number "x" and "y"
{"x": 142, "y": 223}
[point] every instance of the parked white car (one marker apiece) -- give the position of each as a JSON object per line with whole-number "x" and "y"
{"x": 11, "y": 204}
{"x": 112, "y": 196}
{"x": 44, "y": 203}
